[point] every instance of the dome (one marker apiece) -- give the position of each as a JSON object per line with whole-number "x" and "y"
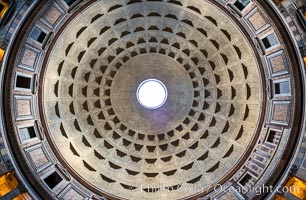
{"x": 97, "y": 125}
{"x": 153, "y": 99}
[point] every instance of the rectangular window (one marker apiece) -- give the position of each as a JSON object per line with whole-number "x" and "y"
{"x": 23, "y": 82}
{"x": 241, "y": 4}
{"x": 271, "y": 136}
{"x": 27, "y": 133}
{"x": 38, "y": 35}
{"x": 53, "y": 180}
{"x": 269, "y": 41}
{"x": 70, "y": 2}
{"x": 245, "y": 180}
{"x": 282, "y": 88}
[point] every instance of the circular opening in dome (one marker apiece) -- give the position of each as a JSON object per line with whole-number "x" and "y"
{"x": 152, "y": 94}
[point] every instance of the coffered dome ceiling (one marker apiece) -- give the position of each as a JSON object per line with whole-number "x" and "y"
{"x": 101, "y": 131}
{"x": 222, "y": 123}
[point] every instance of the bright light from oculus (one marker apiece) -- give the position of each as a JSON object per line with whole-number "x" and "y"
{"x": 152, "y": 94}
